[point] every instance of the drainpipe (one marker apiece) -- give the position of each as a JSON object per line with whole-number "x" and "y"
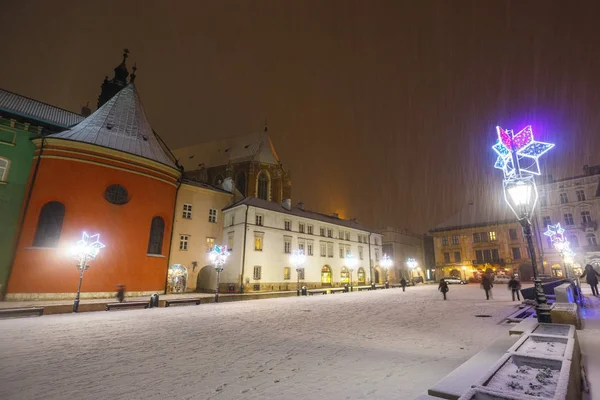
{"x": 244, "y": 250}
{"x": 22, "y": 222}
{"x": 172, "y": 232}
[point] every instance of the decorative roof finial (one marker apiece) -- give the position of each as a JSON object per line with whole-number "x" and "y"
{"x": 132, "y": 76}
{"x": 266, "y": 125}
{"x": 125, "y": 55}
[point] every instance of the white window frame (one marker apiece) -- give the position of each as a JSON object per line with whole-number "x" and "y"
{"x": 260, "y": 220}
{"x": 301, "y": 227}
{"x": 261, "y": 236}
{"x": 564, "y": 198}
{"x": 210, "y": 243}
{"x": 230, "y": 237}
{"x": 184, "y": 242}
{"x": 323, "y": 249}
{"x": 4, "y": 169}
{"x": 360, "y": 252}
{"x": 212, "y": 215}
{"x": 187, "y": 211}
{"x": 347, "y": 235}
{"x": 586, "y": 216}
{"x": 330, "y": 249}
{"x": 329, "y": 233}
{"x": 287, "y": 224}
{"x": 322, "y": 231}
{"x": 310, "y": 248}
{"x": 257, "y": 273}
{"x": 580, "y": 193}
{"x": 310, "y": 229}
{"x": 287, "y": 244}
{"x": 342, "y": 251}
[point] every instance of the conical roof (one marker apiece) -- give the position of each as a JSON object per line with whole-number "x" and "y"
{"x": 121, "y": 124}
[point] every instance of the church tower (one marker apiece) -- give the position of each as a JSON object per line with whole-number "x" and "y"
{"x": 118, "y": 82}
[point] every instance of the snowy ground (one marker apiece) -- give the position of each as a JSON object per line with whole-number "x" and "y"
{"x": 384, "y": 344}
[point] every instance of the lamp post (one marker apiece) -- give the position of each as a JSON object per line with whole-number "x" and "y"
{"x": 387, "y": 263}
{"x": 412, "y": 264}
{"x": 561, "y": 245}
{"x": 351, "y": 262}
{"x": 518, "y": 156}
{"x": 297, "y": 258}
{"x": 218, "y": 256}
{"x": 86, "y": 249}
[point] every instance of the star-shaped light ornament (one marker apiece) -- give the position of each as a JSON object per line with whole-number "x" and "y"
{"x": 218, "y": 256}
{"x": 521, "y": 148}
{"x": 88, "y": 247}
{"x": 556, "y": 233}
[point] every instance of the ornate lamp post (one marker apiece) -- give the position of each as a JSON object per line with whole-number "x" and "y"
{"x": 387, "y": 263}
{"x": 351, "y": 262}
{"x": 297, "y": 258}
{"x": 218, "y": 256}
{"x": 85, "y": 250}
{"x": 412, "y": 264}
{"x": 518, "y": 156}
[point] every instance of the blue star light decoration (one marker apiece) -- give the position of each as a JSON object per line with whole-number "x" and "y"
{"x": 555, "y": 233}
{"x": 88, "y": 247}
{"x": 218, "y": 256}
{"x": 521, "y": 148}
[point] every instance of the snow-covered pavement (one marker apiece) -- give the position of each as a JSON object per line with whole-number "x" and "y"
{"x": 383, "y": 344}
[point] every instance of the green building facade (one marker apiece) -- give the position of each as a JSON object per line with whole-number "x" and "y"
{"x": 21, "y": 120}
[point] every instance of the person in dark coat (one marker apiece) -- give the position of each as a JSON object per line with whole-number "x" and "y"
{"x": 120, "y": 293}
{"x": 487, "y": 285}
{"x": 514, "y": 285}
{"x": 443, "y": 287}
{"x": 403, "y": 284}
{"x": 591, "y": 277}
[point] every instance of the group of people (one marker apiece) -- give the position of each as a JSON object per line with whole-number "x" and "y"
{"x": 487, "y": 283}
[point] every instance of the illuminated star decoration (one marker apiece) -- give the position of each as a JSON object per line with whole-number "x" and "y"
{"x": 555, "y": 233}
{"x": 527, "y": 151}
{"x": 88, "y": 247}
{"x": 218, "y": 256}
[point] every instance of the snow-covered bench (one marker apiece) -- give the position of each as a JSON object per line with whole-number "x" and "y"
{"x": 361, "y": 288}
{"x": 195, "y": 301}
{"x": 337, "y": 290}
{"x": 21, "y": 312}
{"x": 127, "y": 304}
{"x": 317, "y": 291}
{"x": 459, "y": 381}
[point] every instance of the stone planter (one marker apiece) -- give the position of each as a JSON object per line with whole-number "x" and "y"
{"x": 479, "y": 393}
{"x": 555, "y": 330}
{"x": 544, "y": 346}
{"x": 527, "y": 377}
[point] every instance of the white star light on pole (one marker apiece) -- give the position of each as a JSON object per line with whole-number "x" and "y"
{"x": 88, "y": 247}
{"x": 526, "y": 149}
{"x": 555, "y": 233}
{"x": 218, "y": 256}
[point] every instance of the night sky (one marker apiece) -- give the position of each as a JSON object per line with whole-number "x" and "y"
{"x": 381, "y": 110}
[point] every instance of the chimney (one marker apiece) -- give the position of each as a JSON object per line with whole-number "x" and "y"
{"x": 301, "y": 205}
{"x": 287, "y": 204}
{"x": 335, "y": 215}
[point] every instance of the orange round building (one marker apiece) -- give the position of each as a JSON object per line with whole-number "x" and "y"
{"x": 109, "y": 175}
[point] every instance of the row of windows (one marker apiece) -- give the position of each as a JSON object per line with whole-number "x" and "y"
{"x": 483, "y": 256}
{"x": 325, "y": 274}
{"x": 184, "y": 242}
{"x": 309, "y": 229}
{"x": 563, "y": 197}
{"x": 586, "y": 218}
{"x": 187, "y": 213}
{"x": 479, "y": 237}
{"x": 50, "y": 222}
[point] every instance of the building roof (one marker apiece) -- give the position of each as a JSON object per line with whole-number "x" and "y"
{"x": 254, "y": 147}
{"x": 204, "y": 186}
{"x": 32, "y": 109}
{"x": 486, "y": 212}
{"x": 299, "y": 212}
{"x": 121, "y": 124}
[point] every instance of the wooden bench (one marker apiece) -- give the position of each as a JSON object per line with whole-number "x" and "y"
{"x": 395, "y": 285}
{"x": 21, "y": 312}
{"x": 336, "y": 290}
{"x": 127, "y": 304}
{"x": 317, "y": 291}
{"x": 360, "y": 288}
{"x": 195, "y": 301}
{"x": 379, "y": 286}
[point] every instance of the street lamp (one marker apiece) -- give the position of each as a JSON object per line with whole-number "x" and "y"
{"x": 351, "y": 262}
{"x": 387, "y": 263}
{"x": 297, "y": 258}
{"x": 218, "y": 256}
{"x": 464, "y": 270}
{"x": 518, "y": 156}
{"x": 412, "y": 264}
{"x": 86, "y": 249}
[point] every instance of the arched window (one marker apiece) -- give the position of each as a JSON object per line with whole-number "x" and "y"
{"x": 263, "y": 185}
{"x": 4, "y": 164}
{"x": 344, "y": 275}
{"x": 360, "y": 275}
{"x": 591, "y": 239}
{"x": 240, "y": 182}
{"x": 326, "y": 275}
{"x": 573, "y": 241}
{"x": 49, "y": 225}
{"x": 157, "y": 229}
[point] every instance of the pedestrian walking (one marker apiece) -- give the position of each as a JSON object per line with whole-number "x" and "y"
{"x": 443, "y": 287}
{"x": 403, "y": 284}
{"x": 487, "y": 285}
{"x": 121, "y": 293}
{"x": 514, "y": 285}
{"x": 591, "y": 277}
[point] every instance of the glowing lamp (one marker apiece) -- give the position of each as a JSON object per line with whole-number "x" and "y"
{"x": 297, "y": 258}
{"x": 521, "y": 195}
